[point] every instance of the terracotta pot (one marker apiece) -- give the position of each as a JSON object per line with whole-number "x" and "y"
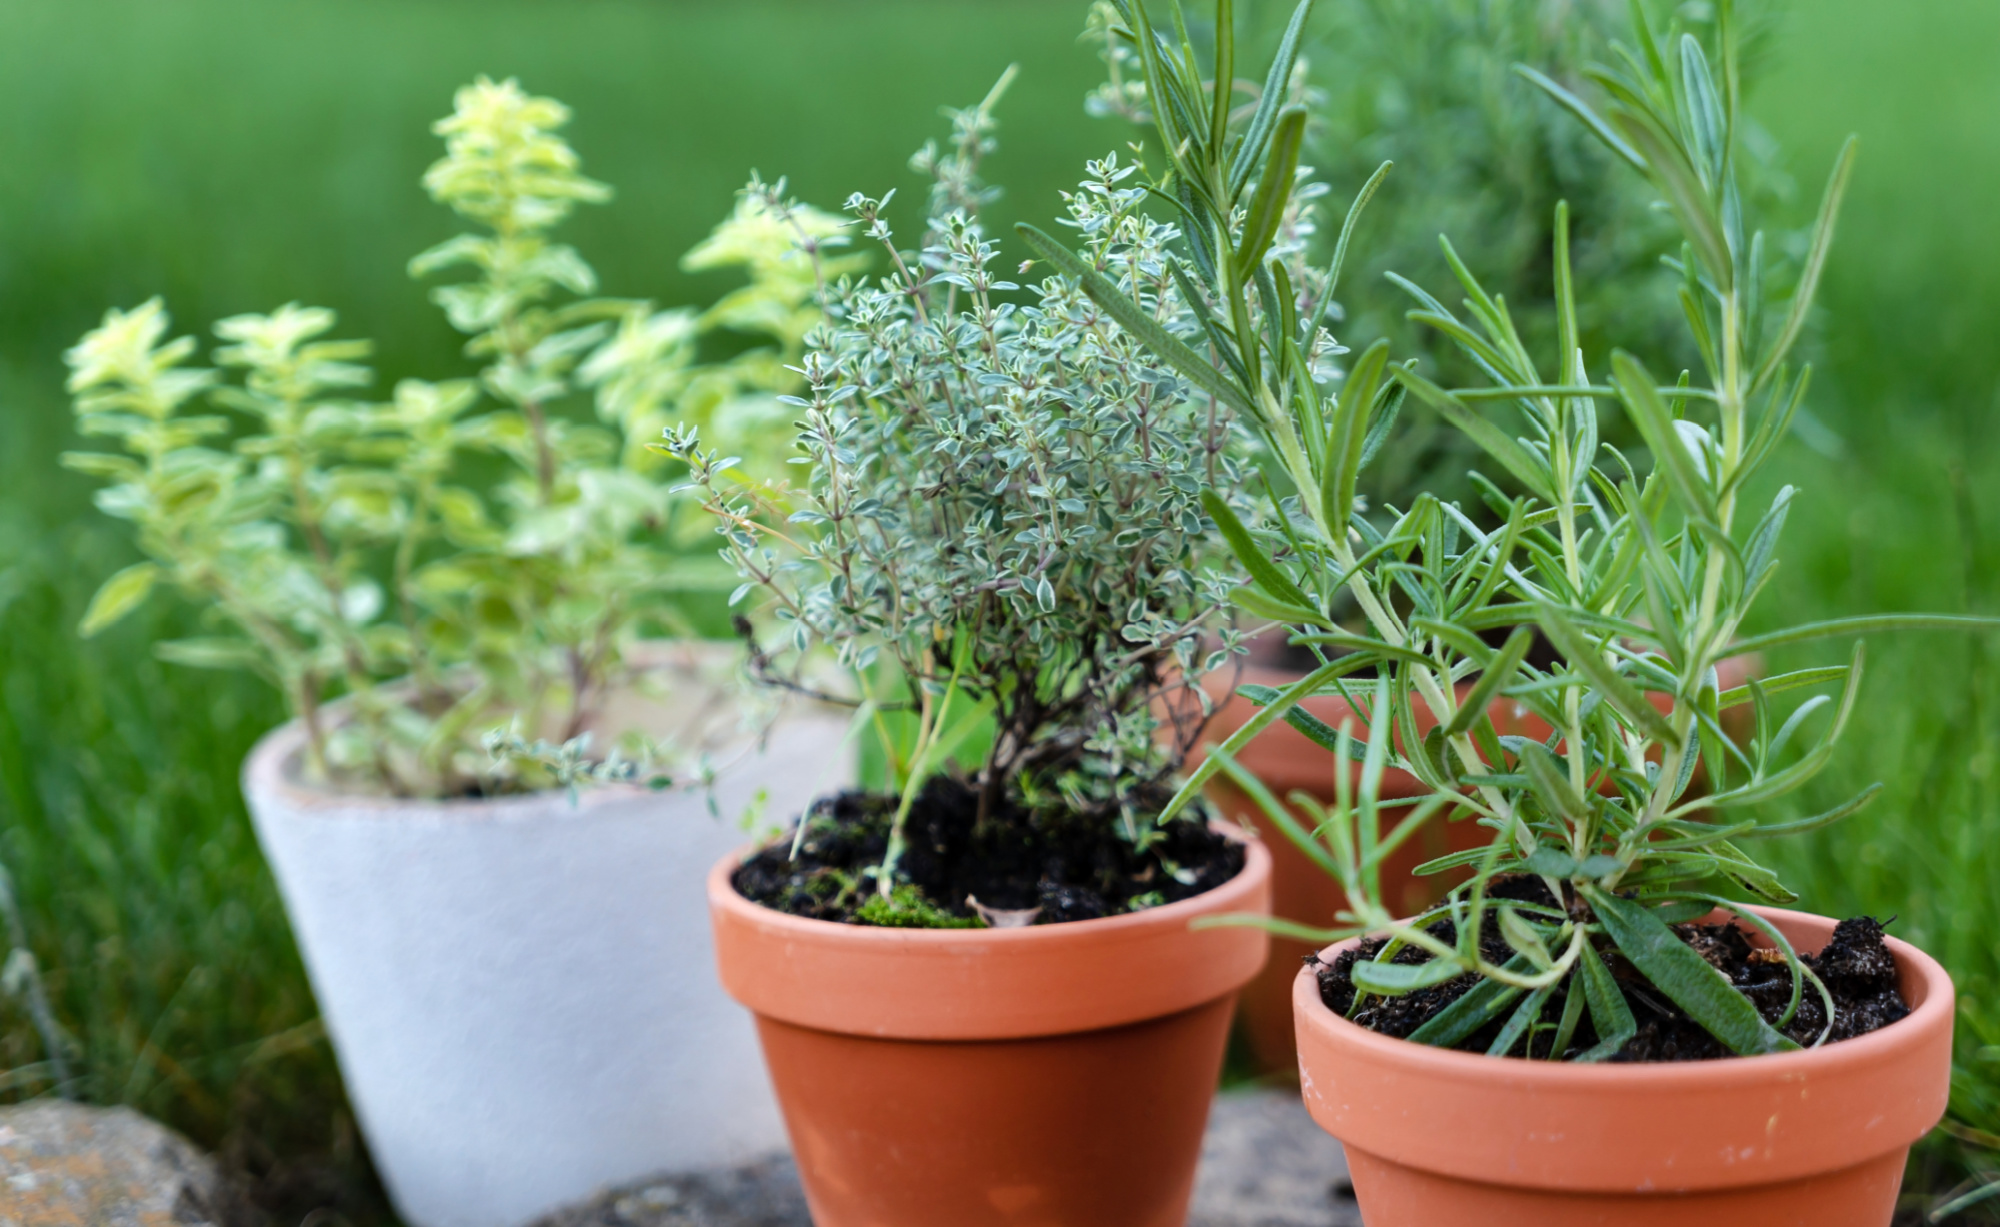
{"x": 1800, "y": 1139}
{"x": 1287, "y": 761}
{"x": 1053, "y": 1076}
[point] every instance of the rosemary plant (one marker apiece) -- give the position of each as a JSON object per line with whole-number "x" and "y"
{"x": 1000, "y": 527}
{"x": 1641, "y": 583}
{"x": 339, "y": 544}
{"x": 1430, "y": 87}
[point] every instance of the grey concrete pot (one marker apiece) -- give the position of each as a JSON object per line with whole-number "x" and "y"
{"x": 521, "y": 991}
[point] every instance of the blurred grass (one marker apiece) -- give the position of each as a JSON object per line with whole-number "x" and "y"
{"x": 234, "y": 154}
{"x": 1907, "y": 516}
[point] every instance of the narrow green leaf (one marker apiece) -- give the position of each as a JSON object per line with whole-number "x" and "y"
{"x": 1521, "y": 936}
{"x": 1707, "y": 127}
{"x": 1673, "y": 967}
{"x": 1280, "y": 816}
{"x": 1582, "y": 110}
{"x": 1518, "y": 1023}
{"x": 1550, "y": 862}
{"x": 1852, "y": 805}
{"x": 1274, "y": 188}
{"x": 207, "y": 653}
{"x": 1396, "y": 979}
{"x": 1225, "y": 73}
{"x": 119, "y": 595}
{"x": 1306, "y": 686}
{"x": 1967, "y": 1200}
{"x": 1609, "y": 1014}
{"x": 1499, "y": 672}
{"x": 1356, "y": 643}
{"x": 1739, "y": 695}
{"x": 1551, "y": 785}
{"x": 1349, "y": 438}
{"x": 1316, "y": 730}
{"x": 1656, "y": 422}
{"x": 1862, "y": 625}
{"x": 1380, "y": 421}
{"x": 1361, "y": 200}
{"x": 1137, "y": 321}
{"x": 1251, "y": 152}
{"x": 1473, "y": 1009}
{"x": 1764, "y": 540}
{"x": 1573, "y": 1002}
{"x": 1822, "y": 242}
{"x": 1252, "y": 555}
{"x": 1527, "y": 468}
{"x": 1585, "y": 656}
{"x": 1253, "y": 601}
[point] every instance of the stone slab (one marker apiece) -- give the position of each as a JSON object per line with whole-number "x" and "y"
{"x": 67, "y": 1165}
{"x": 1264, "y": 1164}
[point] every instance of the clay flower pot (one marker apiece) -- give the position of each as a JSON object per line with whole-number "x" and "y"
{"x": 1799, "y": 1139}
{"x": 1058, "y": 1074}
{"x": 1288, "y": 761}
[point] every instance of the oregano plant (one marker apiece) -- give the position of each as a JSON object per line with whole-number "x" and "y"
{"x": 345, "y": 547}
{"x": 1640, "y": 574}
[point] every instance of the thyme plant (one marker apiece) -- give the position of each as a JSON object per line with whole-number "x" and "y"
{"x": 1000, "y": 524}
{"x": 342, "y": 547}
{"x": 1641, "y": 582}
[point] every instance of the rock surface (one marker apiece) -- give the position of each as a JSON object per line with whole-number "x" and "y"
{"x": 66, "y": 1165}
{"x": 1264, "y": 1164}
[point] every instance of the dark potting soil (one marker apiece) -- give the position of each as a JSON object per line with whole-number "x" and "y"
{"x": 1857, "y": 967}
{"x": 1056, "y": 865}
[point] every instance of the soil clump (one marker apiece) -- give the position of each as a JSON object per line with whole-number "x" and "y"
{"x": 1043, "y": 868}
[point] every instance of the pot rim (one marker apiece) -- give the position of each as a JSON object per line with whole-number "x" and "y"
{"x": 1935, "y": 1008}
{"x": 271, "y": 768}
{"x": 968, "y": 984}
{"x": 268, "y": 771}
{"x": 722, "y": 893}
{"x": 1638, "y": 1129}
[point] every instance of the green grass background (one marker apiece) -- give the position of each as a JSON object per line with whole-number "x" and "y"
{"x": 233, "y": 155}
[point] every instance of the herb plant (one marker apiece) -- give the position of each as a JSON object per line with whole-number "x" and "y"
{"x": 1431, "y": 88}
{"x": 345, "y": 549}
{"x": 999, "y": 531}
{"x": 1640, "y": 583}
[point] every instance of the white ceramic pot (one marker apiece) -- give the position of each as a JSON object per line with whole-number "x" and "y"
{"x": 521, "y": 991}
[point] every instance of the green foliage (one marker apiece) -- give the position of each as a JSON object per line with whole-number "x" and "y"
{"x": 343, "y": 545}
{"x": 1641, "y": 585}
{"x": 1430, "y": 88}
{"x": 1001, "y": 518}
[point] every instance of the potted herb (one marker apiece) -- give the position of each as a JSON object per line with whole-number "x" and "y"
{"x": 501, "y": 917}
{"x": 1414, "y": 83}
{"x": 979, "y": 994}
{"x": 1534, "y": 1049}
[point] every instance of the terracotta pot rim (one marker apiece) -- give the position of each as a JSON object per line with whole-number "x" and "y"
{"x": 723, "y": 894}
{"x": 1935, "y": 1010}
{"x": 1637, "y": 1130}
{"x": 979, "y": 984}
